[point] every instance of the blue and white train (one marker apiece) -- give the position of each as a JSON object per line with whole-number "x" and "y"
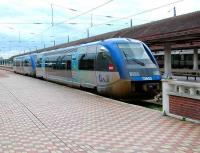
{"x": 118, "y": 67}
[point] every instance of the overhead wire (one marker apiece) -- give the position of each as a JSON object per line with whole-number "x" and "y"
{"x": 90, "y": 10}
{"x": 117, "y": 19}
{"x": 125, "y": 17}
{"x": 83, "y": 13}
{"x": 143, "y": 12}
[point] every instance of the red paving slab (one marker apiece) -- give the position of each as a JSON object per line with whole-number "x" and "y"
{"x": 39, "y": 116}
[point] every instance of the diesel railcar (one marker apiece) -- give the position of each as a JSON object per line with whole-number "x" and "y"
{"x": 118, "y": 67}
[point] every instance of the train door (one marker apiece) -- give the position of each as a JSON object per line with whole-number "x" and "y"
{"x": 33, "y": 64}
{"x": 22, "y": 65}
{"x": 64, "y": 71}
{"x": 17, "y": 65}
{"x": 40, "y": 67}
{"x": 68, "y": 67}
{"x": 87, "y": 71}
{"x": 26, "y": 65}
{"x": 75, "y": 70}
{"x": 105, "y": 69}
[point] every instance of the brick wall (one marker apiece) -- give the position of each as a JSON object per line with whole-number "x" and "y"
{"x": 185, "y": 107}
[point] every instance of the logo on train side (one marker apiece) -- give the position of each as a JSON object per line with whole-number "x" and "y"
{"x": 103, "y": 78}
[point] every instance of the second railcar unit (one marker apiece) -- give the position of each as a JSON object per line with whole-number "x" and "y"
{"x": 25, "y": 64}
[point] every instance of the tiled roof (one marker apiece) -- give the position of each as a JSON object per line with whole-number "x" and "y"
{"x": 183, "y": 25}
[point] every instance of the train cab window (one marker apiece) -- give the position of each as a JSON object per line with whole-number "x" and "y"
{"x": 133, "y": 50}
{"x": 86, "y": 61}
{"x": 104, "y": 62}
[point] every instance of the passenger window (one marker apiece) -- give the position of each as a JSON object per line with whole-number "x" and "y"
{"x": 26, "y": 63}
{"x": 58, "y": 64}
{"x": 66, "y": 62}
{"x": 86, "y": 61}
{"x": 52, "y": 62}
{"x": 49, "y": 62}
{"x": 39, "y": 62}
{"x": 104, "y": 62}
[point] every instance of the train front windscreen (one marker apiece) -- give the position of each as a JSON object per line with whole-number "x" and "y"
{"x": 135, "y": 52}
{"x": 138, "y": 63}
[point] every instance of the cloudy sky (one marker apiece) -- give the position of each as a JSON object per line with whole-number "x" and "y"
{"x": 27, "y": 25}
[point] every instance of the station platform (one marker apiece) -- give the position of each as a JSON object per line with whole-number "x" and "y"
{"x": 40, "y": 117}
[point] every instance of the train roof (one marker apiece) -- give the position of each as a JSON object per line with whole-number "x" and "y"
{"x": 109, "y": 41}
{"x": 121, "y": 40}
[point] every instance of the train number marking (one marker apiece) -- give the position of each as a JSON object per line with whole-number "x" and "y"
{"x": 147, "y": 78}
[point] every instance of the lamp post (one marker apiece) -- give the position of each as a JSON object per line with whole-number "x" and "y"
{"x": 67, "y": 38}
{"x": 88, "y": 33}
{"x": 131, "y": 22}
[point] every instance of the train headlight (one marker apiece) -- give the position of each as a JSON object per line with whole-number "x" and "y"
{"x": 156, "y": 73}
